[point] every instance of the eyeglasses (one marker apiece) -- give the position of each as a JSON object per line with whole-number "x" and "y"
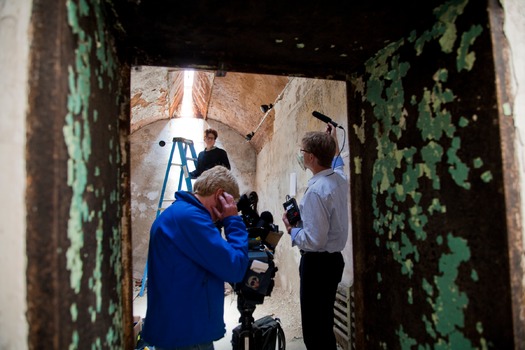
{"x": 211, "y": 138}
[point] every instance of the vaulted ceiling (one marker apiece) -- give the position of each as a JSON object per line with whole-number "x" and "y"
{"x": 270, "y": 39}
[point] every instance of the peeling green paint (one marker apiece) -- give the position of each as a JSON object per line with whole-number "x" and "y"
{"x": 463, "y": 122}
{"x": 405, "y": 341}
{"x": 360, "y": 130}
{"x": 93, "y": 314}
{"x": 450, "y": 302}
{"x": 74, "y": 345}
{"x": 433, "y": 120}
{"x": 97, "y": 273}
{"x": 507, "y": 109}
{"x": 97, "y": 344}
{"x": 437, "y": 207}
{"x": 466, "y": 59}
{"x": 486, "y": 176}
{"x": 74, "y": 311}
{"x": 447, "y": 15}
{"x": 357, "y": 165}
{"x": 432, "y": 154}
{"x": 477, "y": 162}
{"x": 94, "y": 62}
{"x": 444, "y": 29}
{"x": 474, "y": 275}
{"x": 406, "y": 165}
{"x": 457, "y": 169}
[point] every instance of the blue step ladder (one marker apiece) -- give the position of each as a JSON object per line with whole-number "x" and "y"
{"x": 183, "y": 145}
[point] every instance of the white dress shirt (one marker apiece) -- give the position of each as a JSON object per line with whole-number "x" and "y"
{"x": 324, "y": 213}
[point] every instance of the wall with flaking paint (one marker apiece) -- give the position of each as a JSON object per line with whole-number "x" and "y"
{"x": 14, "y": 14}
{"x": 429, "y": 213}
{"x": 77, "y": 171}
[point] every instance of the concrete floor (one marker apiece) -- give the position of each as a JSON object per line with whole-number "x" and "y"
{"x": 231, "y": 319}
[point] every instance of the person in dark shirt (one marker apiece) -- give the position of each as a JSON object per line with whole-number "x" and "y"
{"x": 211, "y": 156}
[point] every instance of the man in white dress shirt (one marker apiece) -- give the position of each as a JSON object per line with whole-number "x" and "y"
{"x": 321, "y": 236}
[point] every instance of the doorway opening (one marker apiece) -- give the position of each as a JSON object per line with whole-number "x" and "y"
{"x": 264, "y": 163}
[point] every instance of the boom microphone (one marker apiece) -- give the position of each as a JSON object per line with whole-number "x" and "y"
{"x": 325, "y": 119}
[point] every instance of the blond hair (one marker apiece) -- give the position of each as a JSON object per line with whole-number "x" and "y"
{"x": 218, "y": 177}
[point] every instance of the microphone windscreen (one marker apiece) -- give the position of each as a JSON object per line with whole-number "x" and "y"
{"x": 321, "y": 117}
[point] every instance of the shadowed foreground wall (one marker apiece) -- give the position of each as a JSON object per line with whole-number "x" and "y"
{"x": 77, "y": 173}
{"x": 429, "y": 209}
{"x": 407, "y": 303}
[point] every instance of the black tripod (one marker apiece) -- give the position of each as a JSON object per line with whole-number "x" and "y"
{"x": 246, "y": 335}
{"x": 263, "y": 334}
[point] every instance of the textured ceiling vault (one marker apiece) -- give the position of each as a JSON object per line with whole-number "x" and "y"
{"x": 315, "y": 39}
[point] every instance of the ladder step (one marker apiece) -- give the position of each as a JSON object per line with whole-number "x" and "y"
{"x": 180, "y": 164}
{"x": 182, "y": 140}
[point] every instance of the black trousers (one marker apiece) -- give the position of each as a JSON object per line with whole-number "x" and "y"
{"x": 320, "y": 275}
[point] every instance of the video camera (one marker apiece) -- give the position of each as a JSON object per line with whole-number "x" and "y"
{"x": 263, "y": 237}
{"x": 258, "y": 282}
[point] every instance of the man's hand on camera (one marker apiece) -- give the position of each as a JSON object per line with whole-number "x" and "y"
{"x": 226, "y": 206}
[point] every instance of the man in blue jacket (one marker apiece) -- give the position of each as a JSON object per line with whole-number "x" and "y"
{"x": 189, "y": 261}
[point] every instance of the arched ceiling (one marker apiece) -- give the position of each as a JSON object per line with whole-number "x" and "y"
{"x": 315, "y": 39}
{"x": 234, "y": 99}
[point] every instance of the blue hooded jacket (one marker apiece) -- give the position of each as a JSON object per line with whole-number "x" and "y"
{"x": 188, "y": 263}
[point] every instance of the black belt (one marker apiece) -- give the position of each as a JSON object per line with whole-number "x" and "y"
{"x": 317, "y": 253}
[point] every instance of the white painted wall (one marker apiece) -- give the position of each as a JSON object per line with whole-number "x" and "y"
{"x": 14, "y": 50}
